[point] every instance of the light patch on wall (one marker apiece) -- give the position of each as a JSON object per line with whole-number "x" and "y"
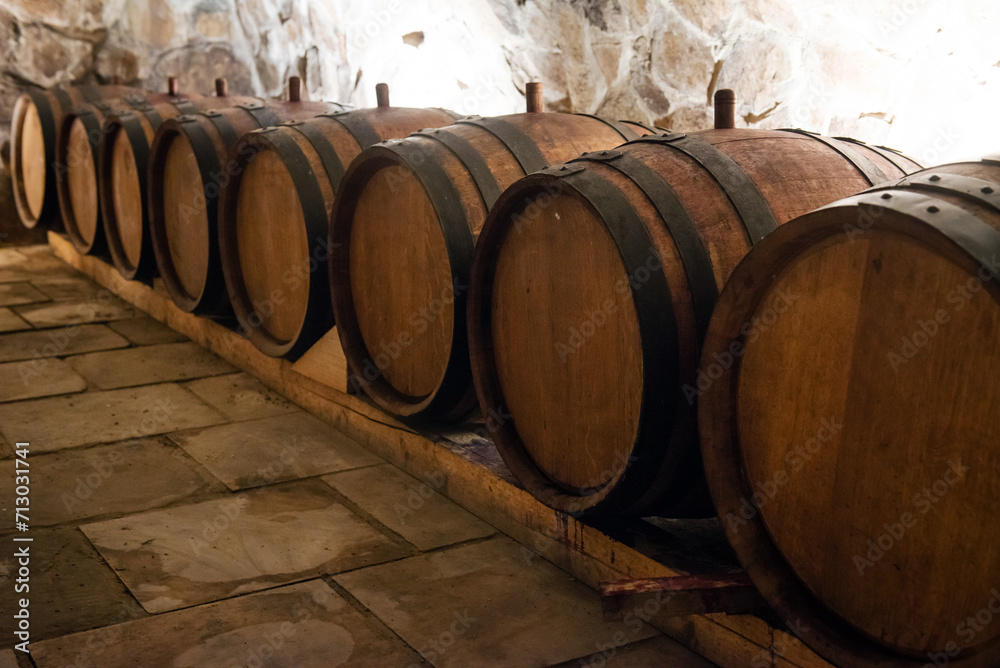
{"x": 412, "y": 46}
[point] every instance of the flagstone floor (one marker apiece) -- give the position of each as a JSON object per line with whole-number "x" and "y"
{"x": 182, "y": 514}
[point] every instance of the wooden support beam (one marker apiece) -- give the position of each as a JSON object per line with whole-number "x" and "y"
{"x": 678, "y": 596}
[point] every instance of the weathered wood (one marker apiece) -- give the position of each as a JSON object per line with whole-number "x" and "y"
{"x": 679, "y": 596}
{"x": 865, "y": 512}
{"x": 189, "y": 164}
{"x": 533, "y": 97}
{"x": 731, "y": 641}
{"x": 725, "y": 109}
{"x": 274, "y": 216}
{"x": 34, "y": 127}
{"x": 400, "y": 308}
{"x": 591, "y": 290}
{"x": 122, "y": 169}
{"x": 78, "y": 150}
{"x": 324, "y": 365}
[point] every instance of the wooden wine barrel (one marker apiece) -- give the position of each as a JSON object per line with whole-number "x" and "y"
{"x": 122, "y": 168}
{"x": 78, "y": 143}
{"x": 36, "y": 119}
{"x": 275, "y": 216}
{"x": 189, "y": 163}
{"x": 591, "y": 289}
{"x": 849, "y": 438}
{"x": 400, "y": 306}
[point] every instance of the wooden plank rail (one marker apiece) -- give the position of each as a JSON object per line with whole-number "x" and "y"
{"x": 589, "y": 553}
{"x": 683, "y": 595}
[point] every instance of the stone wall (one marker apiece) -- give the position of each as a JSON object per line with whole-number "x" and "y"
{"x": 910, "y": 73}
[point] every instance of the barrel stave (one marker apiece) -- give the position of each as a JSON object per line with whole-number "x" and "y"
{"x": 465, "y": 167}
{"x": 917, "y": 255}
{"x": 185, "y": 243}
{"x": 124, "y": 156}
{"x": 285, "y": 311}
{"x": 41, "y": 114}
{"x": 78, "y": 151}
{"x": 718, "y": 205}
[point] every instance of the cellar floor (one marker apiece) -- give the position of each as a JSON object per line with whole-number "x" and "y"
{"x": 183, "y": 514}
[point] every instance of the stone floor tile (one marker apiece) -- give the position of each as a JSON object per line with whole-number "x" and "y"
{"x": 103, "y": 417}
{"x": 657, "y": 652}
{"x": 9, "y": 256}
{"x": 146, "y": 331}
{"x": 149, "y": 364}
{"x": 39, "y": 262}
{"x": 274, "y": 449}
{"x": 11, "y": 322}
{"x": 72, "y": 588}
{"x": 487, "y": 604}
{"x": 187, "y": 555}
{"x": 115, "y": 479}
{"x": 15, "y": 294}
{"x": 58, "y": 342}
{"x": 38, "y": 378}
{"x": 58, "y": 314}
{"x": 36, "y": 250}
{"x": 78, "y": 288}
{"x": 240, "y": 396}
{"x": 32, "y": 268}
{"x": 305, "y": 625}
{"x": 409, "y": 507}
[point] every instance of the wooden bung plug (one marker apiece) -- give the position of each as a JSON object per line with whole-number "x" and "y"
{"x": 533, "y": 96}
{"x": 725, "y": 109}
{"x": 382, "y": 94}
